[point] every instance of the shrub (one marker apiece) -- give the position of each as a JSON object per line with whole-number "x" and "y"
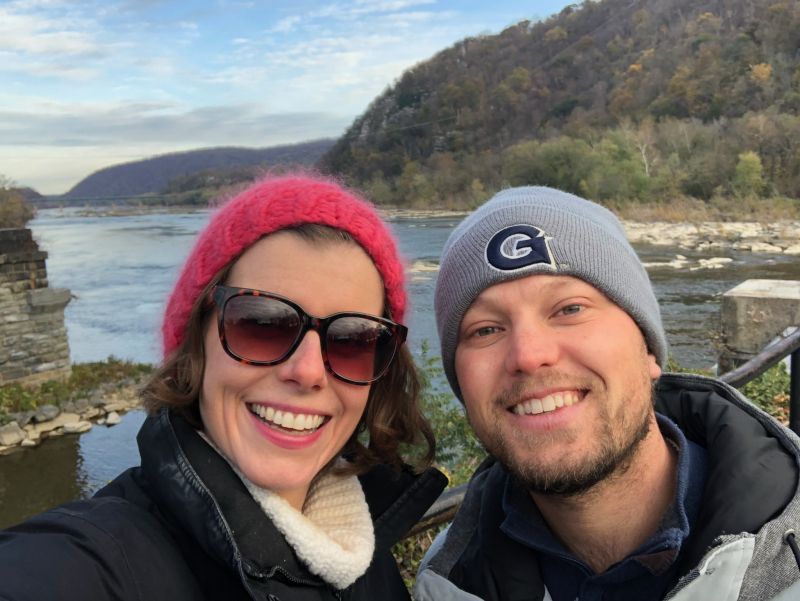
{"x": 770, "y": 392}
{"x": 14, "y": 211}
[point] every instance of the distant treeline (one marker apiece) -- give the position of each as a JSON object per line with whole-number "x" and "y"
{"x": 754, "y": 156}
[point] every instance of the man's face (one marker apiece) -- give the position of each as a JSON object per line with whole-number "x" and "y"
{"x": 557, "y": 381}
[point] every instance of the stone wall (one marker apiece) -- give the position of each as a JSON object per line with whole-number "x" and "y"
{"x": 33, "y": 338}
{"x": 753, "y": 314}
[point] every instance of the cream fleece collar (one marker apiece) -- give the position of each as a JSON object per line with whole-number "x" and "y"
{"x": 333, "y": 535}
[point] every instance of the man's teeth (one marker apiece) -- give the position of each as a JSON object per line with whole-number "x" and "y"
{"x": 286, "y": 419}
{"x": 549, "y": 403}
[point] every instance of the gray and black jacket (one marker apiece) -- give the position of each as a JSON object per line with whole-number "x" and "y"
{"x": 182, "y": 527}
{"x": 738, "y": 549}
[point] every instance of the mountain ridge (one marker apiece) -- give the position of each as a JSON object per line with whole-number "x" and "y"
{"x": 154, "y": 175}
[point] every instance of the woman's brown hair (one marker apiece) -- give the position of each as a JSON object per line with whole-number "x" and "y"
{"x": 393, "y": 421}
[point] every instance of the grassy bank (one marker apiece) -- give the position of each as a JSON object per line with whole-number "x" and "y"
{"x": 692, "y": 210}
{"x": 86, "y": 380}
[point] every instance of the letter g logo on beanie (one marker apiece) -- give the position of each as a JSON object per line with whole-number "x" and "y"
{"x": 518, "y": 246}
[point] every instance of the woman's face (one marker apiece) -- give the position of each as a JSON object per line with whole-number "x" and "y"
{"x": 323, "y": 278}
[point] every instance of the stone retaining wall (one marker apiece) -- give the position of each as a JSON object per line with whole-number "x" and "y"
{"x": 33, "y": 338}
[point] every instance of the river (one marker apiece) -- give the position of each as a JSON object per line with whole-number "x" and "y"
{"x": 120, "y": 270}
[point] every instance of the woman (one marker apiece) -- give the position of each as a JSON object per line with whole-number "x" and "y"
{"x": 283, "y": 354}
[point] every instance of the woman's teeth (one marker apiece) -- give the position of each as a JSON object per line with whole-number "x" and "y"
{"x": 549, "y": 403}
{"x": 287, "y": 419}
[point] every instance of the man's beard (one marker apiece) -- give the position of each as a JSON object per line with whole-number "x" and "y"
{"x": 613, "y": 457}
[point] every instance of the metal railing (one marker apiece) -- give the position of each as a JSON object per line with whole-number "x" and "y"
{"x": 789, "y": 346}
{"x": 449, "y": 501}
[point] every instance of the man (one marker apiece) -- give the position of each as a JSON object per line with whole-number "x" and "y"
{"x": 605, "y": 478}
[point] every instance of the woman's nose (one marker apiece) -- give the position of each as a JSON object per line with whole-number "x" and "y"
{"x": 305, "y": 366}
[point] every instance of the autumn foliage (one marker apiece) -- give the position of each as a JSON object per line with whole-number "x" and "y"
{"x": 686, "y": 98}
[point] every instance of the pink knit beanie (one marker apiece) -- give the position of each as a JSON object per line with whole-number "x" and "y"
{"x": 271, "y": 205}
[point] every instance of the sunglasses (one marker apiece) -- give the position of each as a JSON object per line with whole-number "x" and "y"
{"x": 261, "y": 328}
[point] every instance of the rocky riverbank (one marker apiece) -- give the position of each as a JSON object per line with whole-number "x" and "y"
{"x": 104, "y": 408}
{"x": 775, "y": 237}
{"x": 779, "y": 237}
{"x": 782, "y": 237}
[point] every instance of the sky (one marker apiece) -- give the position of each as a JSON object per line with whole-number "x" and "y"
{"x": 85, "y": 84}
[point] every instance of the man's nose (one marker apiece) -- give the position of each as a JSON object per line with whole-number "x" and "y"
{"x": 531, "y": 346}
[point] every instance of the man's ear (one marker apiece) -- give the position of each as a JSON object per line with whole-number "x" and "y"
{"x": 653, "y": 367}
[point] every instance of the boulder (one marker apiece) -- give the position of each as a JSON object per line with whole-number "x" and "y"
{"x": 92, "y": 412}
{"x": 113, "y": 418}
{"x": 765, "y": 247}
{"x": 46, "y": 413}
{"x": 52, "y": 425}
{"x": 11, "y": 434}
{"x": 97, "y": 401}
{"x": 118, "y": 406}
{"x": 23, "y": 418}
{"x": 77, "y": 427}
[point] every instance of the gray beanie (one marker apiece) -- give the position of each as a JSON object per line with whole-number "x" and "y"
{"x": 530, "y": 230}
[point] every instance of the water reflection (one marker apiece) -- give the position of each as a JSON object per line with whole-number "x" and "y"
{"x": 65, "y": 468}
{"x": 33, "y": 480}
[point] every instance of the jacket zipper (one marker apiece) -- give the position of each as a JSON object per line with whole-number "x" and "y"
{"x": 259, "y": 575}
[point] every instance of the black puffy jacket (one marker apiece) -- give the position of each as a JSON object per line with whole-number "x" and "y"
{"x": 182, "y": 526}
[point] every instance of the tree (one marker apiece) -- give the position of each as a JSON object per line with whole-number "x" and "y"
{"x": 617, "y": 171}
{"x": 748, "y": 179}
{"x": 761, "y": 74}
{"x": 556, "y": 34}
{"x": 14, "y": 211}
{"x": 562, "y": 163}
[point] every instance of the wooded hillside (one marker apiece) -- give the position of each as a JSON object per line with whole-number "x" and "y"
{"x": 618, "y": 99}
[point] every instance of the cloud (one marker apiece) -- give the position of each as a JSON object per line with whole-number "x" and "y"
{"x": 139, "y": 6}
{"x": 361, "y": 7}
{"x": 27, "y": 33}
{"x": 54, "y": 145}
{"x": 61, "y": 69}
{"x": 286, "y": 25}
{"x": 342, "y": 52}
{"x": 416, "y": 18}
{"x": 159, "y": 123}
